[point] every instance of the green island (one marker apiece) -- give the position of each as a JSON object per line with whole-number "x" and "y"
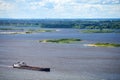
{"x": 99, "y": 31}
{"x": 104, "y": 45}
{"x": 61, "y": 40}
{"x": 38, "y": 31}
{"x": 22, "y": 31}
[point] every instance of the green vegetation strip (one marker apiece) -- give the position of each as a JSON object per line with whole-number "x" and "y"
{"x": 10, "y": 29}
{"x": 22, "y": 31}
{"x": 98, "y": 31}
{"x": 37, "y": 31}
{"x": 61, "y": 40}
{"x": 107, "y": 45}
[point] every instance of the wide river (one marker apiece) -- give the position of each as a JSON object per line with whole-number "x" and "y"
{"x": 73, "y": 61}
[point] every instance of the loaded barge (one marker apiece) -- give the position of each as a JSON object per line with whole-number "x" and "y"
{"x": 23, "y": 65}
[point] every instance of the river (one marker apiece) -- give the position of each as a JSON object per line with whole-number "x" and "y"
{"x": 72, "y": 61}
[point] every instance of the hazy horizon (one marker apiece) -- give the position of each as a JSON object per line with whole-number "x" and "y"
{"x": 58, "y": 18}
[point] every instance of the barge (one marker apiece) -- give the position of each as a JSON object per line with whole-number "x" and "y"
{"x": 23, "y": 65}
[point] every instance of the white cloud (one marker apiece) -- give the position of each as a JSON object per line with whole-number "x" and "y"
{"x": 5, "y": 5}
{"x": 88, "y": 1}
{"x": 20, "y": 0}
{"x": 61, "y": 1}
{"x": 57, "y": 4}
{"x": 60, "y": 8}
{"x": 99, "y": 1}
{"x": 110, "y": 2}
{"x": 83, "y": 8}
{"x": 38, "y": 4}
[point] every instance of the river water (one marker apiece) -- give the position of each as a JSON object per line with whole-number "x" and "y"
{"x": 72, "y": 61}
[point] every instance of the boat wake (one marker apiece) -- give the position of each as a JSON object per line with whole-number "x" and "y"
{"x": 5, "y": 66}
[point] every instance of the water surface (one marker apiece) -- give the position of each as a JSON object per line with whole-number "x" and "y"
{"x": 67, "y": 61}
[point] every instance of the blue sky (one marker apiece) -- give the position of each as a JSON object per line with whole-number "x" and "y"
{"x": 59, "y": 9}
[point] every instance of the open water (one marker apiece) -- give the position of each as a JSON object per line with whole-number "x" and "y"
{"x": 72, "y": 61}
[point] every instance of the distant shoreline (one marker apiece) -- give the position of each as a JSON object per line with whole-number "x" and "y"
{"x": 86, "y": 23}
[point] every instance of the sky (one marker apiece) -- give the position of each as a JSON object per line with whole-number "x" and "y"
{"x": 59, "y": 9}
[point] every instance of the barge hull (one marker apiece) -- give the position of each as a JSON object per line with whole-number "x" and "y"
{"x": 34, "y": 68}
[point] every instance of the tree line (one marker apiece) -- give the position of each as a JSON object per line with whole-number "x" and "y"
{"x": 63, "y": 23}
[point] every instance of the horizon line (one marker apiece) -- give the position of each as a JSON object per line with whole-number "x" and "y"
{"x": 57, "y": 18}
